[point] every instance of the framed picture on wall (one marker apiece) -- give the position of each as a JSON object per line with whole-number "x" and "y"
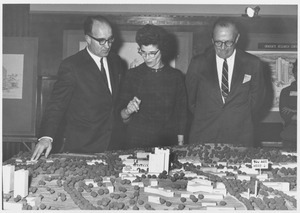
{"x": 19, "y": 77}
{"x": 281, "y": 65}
{"x": 73, "y": 41}
{"x": 12, "y": 76}
{"x": 277, "y": 52}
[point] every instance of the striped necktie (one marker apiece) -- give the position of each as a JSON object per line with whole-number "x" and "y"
{"x": 224, "y": 86}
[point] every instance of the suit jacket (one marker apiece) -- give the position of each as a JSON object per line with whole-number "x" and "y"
{"x": 82, "y": 97}
{"x": 214, "y": 121}
{"x": 288, "y": 98}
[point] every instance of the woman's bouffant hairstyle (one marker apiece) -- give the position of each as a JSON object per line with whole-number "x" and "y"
{"x": 154, "y": 35}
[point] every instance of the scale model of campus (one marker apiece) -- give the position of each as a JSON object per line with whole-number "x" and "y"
{"x": 197, "y": 177}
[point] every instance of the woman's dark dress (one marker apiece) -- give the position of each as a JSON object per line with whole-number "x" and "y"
{"x": 163, "y": 108}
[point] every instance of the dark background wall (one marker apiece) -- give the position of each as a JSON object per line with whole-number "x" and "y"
{"x": 48, "y": 27}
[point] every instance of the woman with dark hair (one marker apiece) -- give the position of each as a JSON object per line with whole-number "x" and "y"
{"x": 153, "y": 97}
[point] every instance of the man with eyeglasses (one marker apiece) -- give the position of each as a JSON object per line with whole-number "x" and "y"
{"x": 225, "y": 89}
{"x": 84, "y": 95}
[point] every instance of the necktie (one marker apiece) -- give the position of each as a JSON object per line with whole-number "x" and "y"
{"x": 103, "y": 71}
{"x": 224, "y": 86}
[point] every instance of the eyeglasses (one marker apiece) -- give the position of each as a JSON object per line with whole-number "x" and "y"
{"x": 151, "y": 54}
{"x": 226, "y": 43}
{"x": 102, "y": 41}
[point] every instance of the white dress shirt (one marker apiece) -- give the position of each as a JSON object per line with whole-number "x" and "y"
{"x": 97, "y": 61}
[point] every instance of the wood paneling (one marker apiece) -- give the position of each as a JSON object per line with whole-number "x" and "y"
{"x": 15, "y": 20}
{"x": 49, "y": 28}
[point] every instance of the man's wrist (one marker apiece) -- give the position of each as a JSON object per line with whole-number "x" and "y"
{"x": 46, "y": 138}
{"x": 180, "y": 139}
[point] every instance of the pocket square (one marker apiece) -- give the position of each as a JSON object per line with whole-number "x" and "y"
{"x": 293, "y": 93}
{"x": 246, "y": 78}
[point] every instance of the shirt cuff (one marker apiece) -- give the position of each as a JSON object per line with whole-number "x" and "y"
{"x": 46, "y": 137}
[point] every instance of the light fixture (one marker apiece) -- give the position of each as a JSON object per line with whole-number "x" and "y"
{"x": 252, "y": 12}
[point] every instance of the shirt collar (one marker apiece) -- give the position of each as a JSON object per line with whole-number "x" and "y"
{"x": 95, "y": 57}
{"x": 230, "y": 58}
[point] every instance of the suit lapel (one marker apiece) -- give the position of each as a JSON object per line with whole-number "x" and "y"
{"x": 213, "y": 78}
{"x": 91, "y": 65}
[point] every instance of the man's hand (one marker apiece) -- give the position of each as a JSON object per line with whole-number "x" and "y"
{"x": 43, "y": 144}
{"x": 287, "y": 110}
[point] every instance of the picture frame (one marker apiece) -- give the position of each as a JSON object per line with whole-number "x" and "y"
{"x": 280, "y": 64}
{"x": 20, "y": 94}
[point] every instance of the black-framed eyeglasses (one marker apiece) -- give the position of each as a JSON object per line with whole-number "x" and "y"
{"x": 226, "y": 43}
{"x": 150, "y": 54}
{"x": 102, "y": 41}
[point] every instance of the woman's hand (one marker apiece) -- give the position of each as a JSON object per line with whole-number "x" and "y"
{"x": 133, "y": 106}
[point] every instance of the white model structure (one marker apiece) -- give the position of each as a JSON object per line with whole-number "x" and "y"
{"x": 21, "y": 183}
{"x": 93, "y": 162}
{"x": 289, "y": 153}
{"x": 31, "y": 201}
{"x": 127, "y": 176}
{"x": 8, "y": 178}
{"x": 130, "y": 169}
{"x": 196, "y": 187}
{"x": 153, "y": 182}
{"x": 153, "y": 199}
{"x": 281, "y": 186}
{"x": 222, "y": 163}
{"x": 110, "y": 187}
{"x": 262, "y": 177}
{"x": 249, "y": 171}
{"x": 285, "y": 164}
{"x": 140, "y": 164}
{"x": 160, "y": 191}
{"x": 190, "y": 174}
{"x": 12, "y": 206}
{"x": 140, "y": 184}
{"x": 200, "y": 181}
{"x": 142, "y": 155}
{"x": 210, "y": 196}
{"x": 106, "y": 180}
{"x": 124, "y": 157}
{"x": 219, "y": 191}
{"x": 207, "y": 196}
{"x": 220, "y": 208}
{"x": 191, "y": 160}
{"x": 209, "y": 203}
{"x": 159, "y": 161}
{"x": 243, "y": 177}
{"x": 209, "y": 169}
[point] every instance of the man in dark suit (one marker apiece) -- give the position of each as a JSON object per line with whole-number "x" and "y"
{"x": 224, "y": 95}
{"x": 288, "y": 111}
{"x": 85, "y": 95}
